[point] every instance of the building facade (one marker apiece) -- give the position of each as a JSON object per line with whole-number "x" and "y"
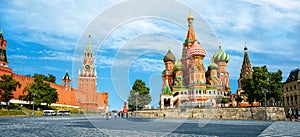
{"x": 291, "y": 93}
{"x": 67, "y": 96}
{"x": 187, "y": 83}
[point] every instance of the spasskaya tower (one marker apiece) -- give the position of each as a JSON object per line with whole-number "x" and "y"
{"x": 87, "y": 80}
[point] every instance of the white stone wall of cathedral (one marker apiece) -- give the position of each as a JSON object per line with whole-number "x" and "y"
{"x": 203, "y": 93}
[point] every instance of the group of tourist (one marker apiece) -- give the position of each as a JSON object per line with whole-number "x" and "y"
{"x": 116, "y": 115}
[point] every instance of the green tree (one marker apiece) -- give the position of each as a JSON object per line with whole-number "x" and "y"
{"x": 262, "y": 79}
{"x": 40, "y": 92}
{"x": 224, "y": 100}
{"x": 139, "y": 95}
{"x": 275, "y": 87}
{"x": 7, "y": 86}
{"x": 219, "y": 99}
{"x": 49, "y": 78}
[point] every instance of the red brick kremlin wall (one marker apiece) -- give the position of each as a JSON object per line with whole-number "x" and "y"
{"x": 66, "y": 96}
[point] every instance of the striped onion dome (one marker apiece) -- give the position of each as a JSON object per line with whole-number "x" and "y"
{"x": 197, "y": 50}
{"x": 169, "y": 57}
{"x": 221, "y": 56}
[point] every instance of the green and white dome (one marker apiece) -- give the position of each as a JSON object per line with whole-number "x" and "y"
{"x": 221, "y": 56}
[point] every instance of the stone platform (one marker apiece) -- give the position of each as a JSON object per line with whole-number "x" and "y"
{"x": 238, "y": 113}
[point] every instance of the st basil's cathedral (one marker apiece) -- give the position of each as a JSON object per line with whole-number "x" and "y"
{"x": 187, "y": 83}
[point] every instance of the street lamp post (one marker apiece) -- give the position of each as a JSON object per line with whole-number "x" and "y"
{"x": 78, "y": 106}
{"x": 33, "y": 103}
{"x": 265, "y": 91}
{"x": 136, "y": 95}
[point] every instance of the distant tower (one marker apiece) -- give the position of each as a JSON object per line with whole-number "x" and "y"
{"x": 246, "y": 70}
{"x": 66, "y": 81}
{"x": 221, "y": 58}
{"x": 87, "y": 79}
{"x": 125, "y": 110}
{"x": 3, "y": 57}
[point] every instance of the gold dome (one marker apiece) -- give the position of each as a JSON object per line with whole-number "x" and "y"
{"x": 190, "y": 16}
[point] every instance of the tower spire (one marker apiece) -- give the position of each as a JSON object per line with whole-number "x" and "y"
{"x": 246, "y": 70}
{"x": 89, "y": 43}
{"x": 246, "y": 49}
{"x": 190, "y": 37}
{"x": 246, "y": 58}
{"x": 220, "y": 42}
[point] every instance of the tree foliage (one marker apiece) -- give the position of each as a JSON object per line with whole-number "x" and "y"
{"x": 275, "y": 86}
{"x": 261, "y": 80}
{"x": 139, "y": 95}
{"x": 7, "y": 86}
{"x": 40, "y": 92}
{"x": 224, "y": 100}
{"x": 49, "y": 78}
{"x": 239, "y": 99}
{"x": 219, "y": 99}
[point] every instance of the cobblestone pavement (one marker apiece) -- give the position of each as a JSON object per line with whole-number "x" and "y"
{"x": 94, "y": 126}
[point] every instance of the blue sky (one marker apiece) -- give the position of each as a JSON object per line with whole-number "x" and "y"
{"x": 49, "y": 37}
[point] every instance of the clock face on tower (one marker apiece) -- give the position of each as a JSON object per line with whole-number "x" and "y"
{"x": 87, "y": 67}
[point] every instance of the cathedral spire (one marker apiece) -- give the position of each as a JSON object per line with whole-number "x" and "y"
{"x": 246, "y": 70}
{"x": 246, "y": 49}
{"x": 246, "y": 58}
{"x": 190, "y": 37}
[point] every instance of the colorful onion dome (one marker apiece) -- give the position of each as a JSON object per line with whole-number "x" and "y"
{"x": 213, "y": 65}
{"x": 221, "y": 56}
{"x": 197, "y": 50}
{"x": 178, "y": 65}
{"x": 169, "y": 57}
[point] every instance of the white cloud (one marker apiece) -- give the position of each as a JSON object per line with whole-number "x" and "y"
{"x": 148, "y": 65}
{"x": 52, "y": 68}
{"x": 18, "y": 57}
{"x": 55, "y": 24}
{"x": 271, "y": 29}
{"x": 58, "y": 56}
